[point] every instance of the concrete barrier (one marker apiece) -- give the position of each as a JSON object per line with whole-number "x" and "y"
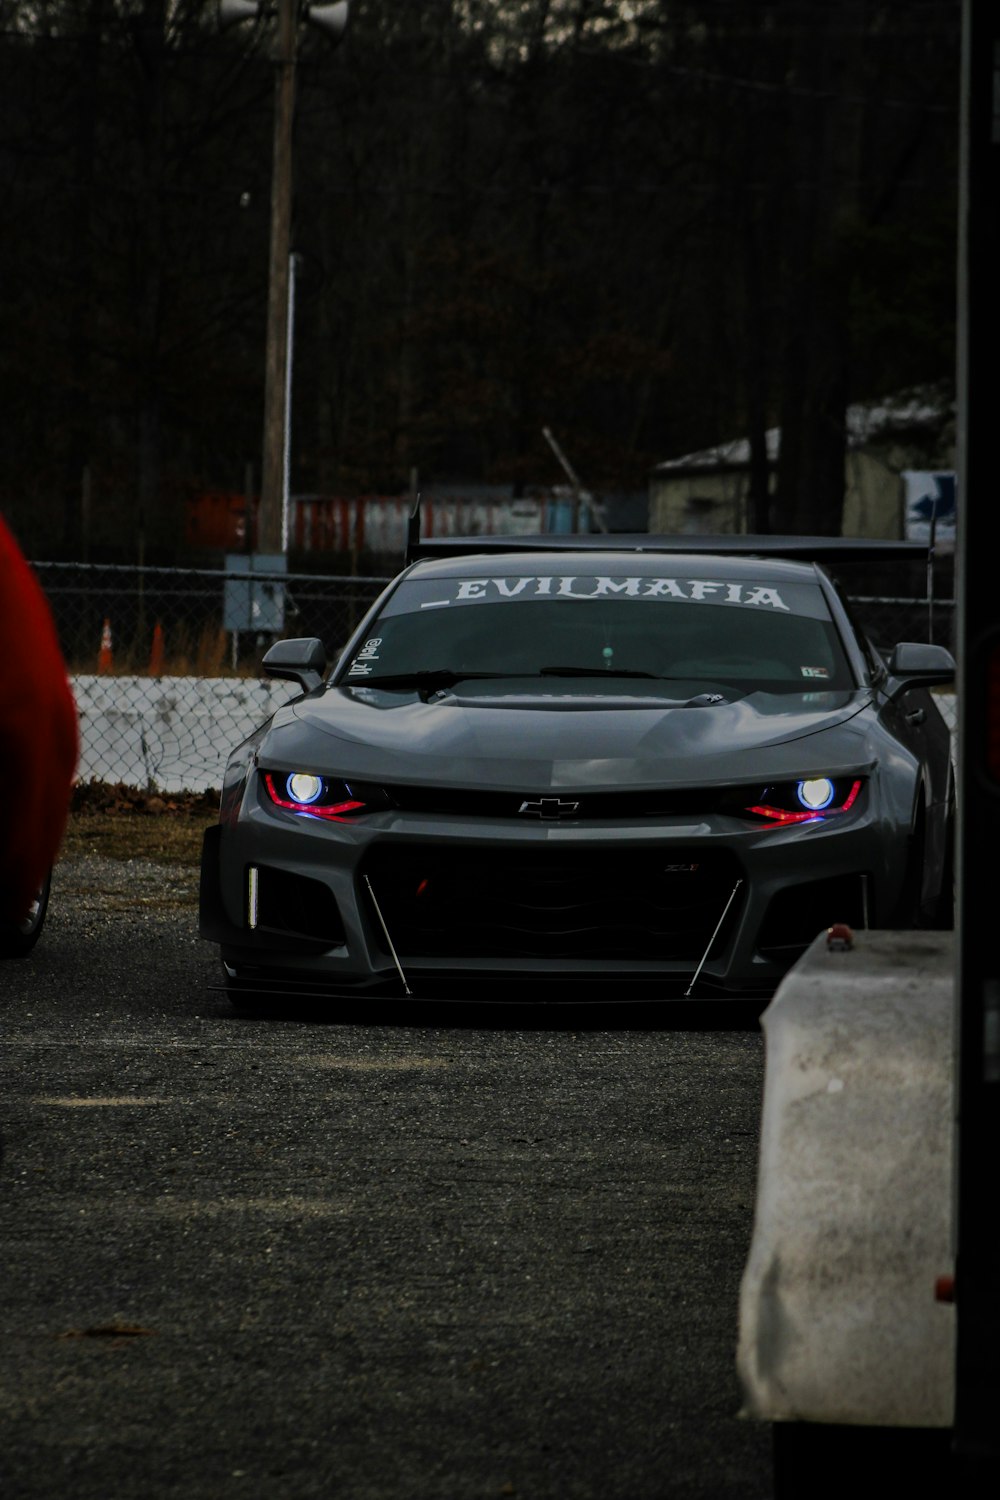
{"x": 174, "y": 733}
{"x": 838, "y": 1317}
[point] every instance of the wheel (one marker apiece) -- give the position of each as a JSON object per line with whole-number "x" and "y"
{"x": 943, "y": 916}
{"x": 912, "y": 909}
{"x": 909, "y": 911}
{"x": 18, "y": 938}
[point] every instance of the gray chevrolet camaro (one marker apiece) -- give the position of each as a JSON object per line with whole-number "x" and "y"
{"x": 594, "y": 767}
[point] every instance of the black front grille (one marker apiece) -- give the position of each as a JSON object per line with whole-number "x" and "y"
{"x": 596, "y": 903}
{"x": 587, "y": 805}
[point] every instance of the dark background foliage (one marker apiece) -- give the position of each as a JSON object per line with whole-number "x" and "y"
{"x": 650, "y": 227}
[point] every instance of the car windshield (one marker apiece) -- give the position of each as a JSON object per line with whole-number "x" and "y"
{"x": 732, "y": 633}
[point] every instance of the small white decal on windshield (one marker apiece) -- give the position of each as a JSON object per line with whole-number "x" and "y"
{"x": 815, "y": 671}
{"x": 360, "y": 666}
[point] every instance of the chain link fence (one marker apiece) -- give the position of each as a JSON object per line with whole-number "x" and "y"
{"x": 195, "y": 621}
{"x": 165, "y": 662}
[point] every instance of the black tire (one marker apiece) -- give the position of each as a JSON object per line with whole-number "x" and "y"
{"x": 18, "y": 938}
{"x": 943, "y": 915}
{"x": 909, "y": 911}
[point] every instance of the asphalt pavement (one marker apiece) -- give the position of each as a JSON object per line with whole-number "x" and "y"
{"x": 435, "y": 1254}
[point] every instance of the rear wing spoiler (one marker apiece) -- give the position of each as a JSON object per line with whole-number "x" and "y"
{"x": 830, "y": 549}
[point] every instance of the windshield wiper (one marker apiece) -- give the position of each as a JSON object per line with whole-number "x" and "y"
{"x": 426, "y": 681}
{"x": 596, "y": 672}
{"x": 433, "y": 680}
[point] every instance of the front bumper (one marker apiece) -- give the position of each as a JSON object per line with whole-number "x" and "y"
{"x": 647, "y": 902}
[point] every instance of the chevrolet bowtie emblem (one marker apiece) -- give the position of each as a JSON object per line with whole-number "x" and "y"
{"x": 549, "y": 807}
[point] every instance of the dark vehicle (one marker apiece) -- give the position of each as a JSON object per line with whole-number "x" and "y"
{"x": 17, "y": 938}
{"x": 38, "y": 749}
{"x": 596, "y": 760}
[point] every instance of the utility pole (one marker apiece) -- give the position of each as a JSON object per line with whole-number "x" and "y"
{"x": 332, "y": 19}
{"x": 269, "y": 519}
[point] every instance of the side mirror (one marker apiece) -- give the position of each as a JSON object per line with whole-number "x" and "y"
{"x": 916, "y": 664}
{"x": 301, "y": 660}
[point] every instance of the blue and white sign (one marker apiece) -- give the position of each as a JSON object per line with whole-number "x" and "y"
{"x": 929, "y": 495}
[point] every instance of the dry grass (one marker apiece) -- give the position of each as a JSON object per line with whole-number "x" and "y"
{"x": 122, "y": 822}
{"x": 182, "y": 652}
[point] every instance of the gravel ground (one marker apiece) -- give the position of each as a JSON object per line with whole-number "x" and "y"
{"x": 427, "y": 1255}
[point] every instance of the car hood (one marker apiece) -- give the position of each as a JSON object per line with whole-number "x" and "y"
{"x": 561, "y": 737}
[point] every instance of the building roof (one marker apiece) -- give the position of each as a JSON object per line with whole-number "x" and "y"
{"x": 905, "y": 414}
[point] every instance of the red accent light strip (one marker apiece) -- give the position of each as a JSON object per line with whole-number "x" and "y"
{"x": 336, "y": 811}
{"x": 781, "y": 815}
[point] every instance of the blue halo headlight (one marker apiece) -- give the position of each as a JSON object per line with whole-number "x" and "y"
{"x": 817, "y": 793}
{"x": 301, "y": 787}
{"x": 811, "y": 800}
{"x": 320, "y": 797}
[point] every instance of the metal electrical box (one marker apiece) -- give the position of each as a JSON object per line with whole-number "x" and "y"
{"x": 257, "y": 601}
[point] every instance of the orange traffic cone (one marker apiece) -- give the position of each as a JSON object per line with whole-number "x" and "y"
{"x": 156, "y": 654}
{"x": 104, "y": 655}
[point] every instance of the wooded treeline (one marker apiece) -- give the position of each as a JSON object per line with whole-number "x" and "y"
{"x": 651, "y": 226}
